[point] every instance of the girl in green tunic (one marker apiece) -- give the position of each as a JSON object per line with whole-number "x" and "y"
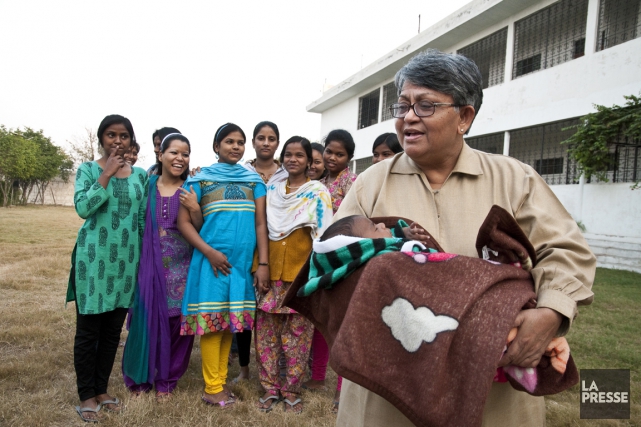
{"x": 111, "y": 196}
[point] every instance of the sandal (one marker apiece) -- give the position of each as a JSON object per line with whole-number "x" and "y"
{"x": 335, "y": 407}
{"x": 291, "y": 406}
{"x": 222, "y": 404}
{"x": 273, "y": 397}
{"x": 117, "y": 409}
{"x": 81, "y": 411}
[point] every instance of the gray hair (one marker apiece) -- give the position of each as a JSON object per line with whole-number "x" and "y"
{"x": 451, "y": 74}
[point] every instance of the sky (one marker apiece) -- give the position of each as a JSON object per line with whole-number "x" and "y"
{"x": 193, "y": 65}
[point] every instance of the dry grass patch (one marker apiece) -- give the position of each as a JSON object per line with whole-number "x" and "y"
{"x": 37, "y": 379}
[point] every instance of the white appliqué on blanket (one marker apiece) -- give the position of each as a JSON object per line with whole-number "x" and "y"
{"x": 412, "y": 326}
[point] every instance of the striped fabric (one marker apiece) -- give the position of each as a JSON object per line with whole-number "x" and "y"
{"x": 229, "y": 205}
{"x": 326, "y": 269}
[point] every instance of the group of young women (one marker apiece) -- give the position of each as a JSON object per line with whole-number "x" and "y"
{"x": 211, "y": 254}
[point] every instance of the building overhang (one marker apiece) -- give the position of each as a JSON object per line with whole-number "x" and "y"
{"x": 460, "y": 25}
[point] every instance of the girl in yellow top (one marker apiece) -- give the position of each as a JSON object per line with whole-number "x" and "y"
{"x": 298, "y": 211}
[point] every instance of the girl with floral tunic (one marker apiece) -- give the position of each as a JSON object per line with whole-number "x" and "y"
{"x": 156, "y": 353}
{"x": 219, "y": 297}
{"x": 111, "y": 196}
{"x": 298, "y": 211}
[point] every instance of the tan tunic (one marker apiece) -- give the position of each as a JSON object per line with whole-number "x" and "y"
{"x": 453, "y": 214}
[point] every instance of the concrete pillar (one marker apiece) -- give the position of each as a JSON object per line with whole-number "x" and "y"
{"x": 509, "y": 53}
{"x": 591, "y": 36}
{"x": 581, "y": 189}
{"x": 506, "y": 143}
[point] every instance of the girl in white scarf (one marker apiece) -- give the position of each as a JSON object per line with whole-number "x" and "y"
{"x": 298, "y": 211}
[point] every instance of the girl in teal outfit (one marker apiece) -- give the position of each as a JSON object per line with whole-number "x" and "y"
{"x": 111, "y": 196}
{"x": 219, "y": 298}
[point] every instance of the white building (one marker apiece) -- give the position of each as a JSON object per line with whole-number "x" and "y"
{"x": 544, "y": 64}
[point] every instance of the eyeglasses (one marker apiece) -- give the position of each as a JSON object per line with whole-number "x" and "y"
{"x": 421, "y": 108}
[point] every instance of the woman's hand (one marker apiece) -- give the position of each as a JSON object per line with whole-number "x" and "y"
{"x": 194, "y": 171}
{"x": 536, "y": 328}
{"x": 218, "y": 261}
{"x": 114, "y": 162}
{"x": 414, "y": 232}
{"x": 188, "y": 199}
{"x": 261, "y": 279}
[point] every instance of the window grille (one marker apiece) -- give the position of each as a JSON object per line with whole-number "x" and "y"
{"x": 489, "y": 143}
{"x": 619, "y": 21}
{"x": 368, "y": 109}
{"x": 362, "y": 164}
{"x": 489, "y": 55}
{"x": 626, "y": 156}
{"x": 540, "y": 147}
{"x": 390, "y": 96}
{"x": 550, "y": 37}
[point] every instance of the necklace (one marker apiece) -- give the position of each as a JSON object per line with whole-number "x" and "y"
{"x": 291, "y": 187}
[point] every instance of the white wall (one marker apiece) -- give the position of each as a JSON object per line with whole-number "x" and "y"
{"x": 564, "y": 91}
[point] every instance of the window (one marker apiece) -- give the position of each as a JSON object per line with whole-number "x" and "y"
{"x": 549, "y": 166}
{"x": 619, "y": 21}
{"x": 489, "y": 143}
{"x": 579, "y": 48}
{"x": 550, "y": 37}
{"x": 390, "y": 96}
{"x": 540, "y": 147}
{"x": 489, "y": 55}
{"x": 527, "y": 65}
{"x": 368, "y": 109}
{"x": 362, "y": 164}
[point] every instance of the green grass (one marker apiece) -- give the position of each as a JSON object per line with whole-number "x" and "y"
{"x": 605, "y": 335}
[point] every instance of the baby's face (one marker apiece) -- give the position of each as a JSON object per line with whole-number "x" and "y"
{"x": 363, "y": 227}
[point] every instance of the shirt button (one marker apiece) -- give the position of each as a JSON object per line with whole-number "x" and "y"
{"x": 284, "y": 243}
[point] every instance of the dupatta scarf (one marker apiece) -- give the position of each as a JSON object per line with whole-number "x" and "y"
{"x": 148, "y": 349}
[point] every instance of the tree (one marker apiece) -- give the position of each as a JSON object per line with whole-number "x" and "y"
{"x": 590, "y": 145}
{"x": 85, "y": 148}
{"x": 18, "y": 161}
{"x": 51, "y": 162}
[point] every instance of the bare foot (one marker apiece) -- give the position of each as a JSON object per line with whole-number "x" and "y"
{"x": 314, "y": 385}
{"x": 244, "y": 375}
{"x": 163, "y": 396}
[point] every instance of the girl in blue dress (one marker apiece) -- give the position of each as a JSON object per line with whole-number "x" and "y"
{"x": 219, "y": 297}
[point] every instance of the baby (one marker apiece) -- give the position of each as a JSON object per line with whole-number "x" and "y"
{"x": 352, "y": 241}
{"x": 362, "y": 227}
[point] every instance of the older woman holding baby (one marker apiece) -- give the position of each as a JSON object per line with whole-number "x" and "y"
{"x": 449, "y": 188}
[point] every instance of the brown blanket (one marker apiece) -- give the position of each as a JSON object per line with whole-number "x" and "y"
{"x": 425, "y": 331}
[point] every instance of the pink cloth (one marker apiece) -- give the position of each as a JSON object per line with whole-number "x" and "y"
{"x": 320, "y": 357}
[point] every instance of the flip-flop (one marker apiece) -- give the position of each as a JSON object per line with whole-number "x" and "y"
{"x": 80, "y": 412}
{"x": 223, "y": 404}
{"x": 113, "y": 401}
{"x": 335, "y": 407}
{"x": 291, "y": 409}
{"x": 273, "y": 397}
